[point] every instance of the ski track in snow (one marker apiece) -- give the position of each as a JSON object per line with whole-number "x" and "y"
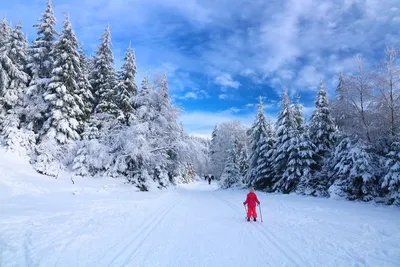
{"x": 269, "y": 241}
{"x": 102, "y": 222}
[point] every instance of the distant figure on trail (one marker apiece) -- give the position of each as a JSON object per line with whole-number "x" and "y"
{"x": 206, "y": 177}
{"x": 251, "y": 202}
{"x": 209, "y": 180}
{"x": 212, "y": 177}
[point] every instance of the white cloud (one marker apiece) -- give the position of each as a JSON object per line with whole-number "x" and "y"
{"x": 223, "y": 96}
{"x": 195, "y": 94}
{"x": 202, "y": 123}
{"x": 226, "y": 81}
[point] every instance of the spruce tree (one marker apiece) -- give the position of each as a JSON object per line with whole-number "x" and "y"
{"x": 103, "y": 77}
{"x": 243, "y": 162}
{"x": 300, "y": 154}
{"x": 63, "y": 91}
{"x": 231, "y": 174}
{"x": 261, "y": 141}
{"x": 322, "y": 127}
{"x": 285, "y": 131}
{"x": 127, "y": 87}
{"x": 84, "y": 90}
{"x": 391, "y": 181}
{"x": 13, "y": 76}
{"x": 353, "y": 171}
{"x": 14, "y": 79}
{"x": 41, "y": 66}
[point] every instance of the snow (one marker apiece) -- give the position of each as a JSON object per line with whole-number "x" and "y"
{"x": 104, "y": 222}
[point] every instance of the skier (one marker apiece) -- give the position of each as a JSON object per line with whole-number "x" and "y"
{"x": 209, "y": 180}
{"x": 251, "y": 202}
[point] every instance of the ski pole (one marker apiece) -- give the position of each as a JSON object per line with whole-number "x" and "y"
{"x": 259, "y": 207}
{"x": 244, "y": 205}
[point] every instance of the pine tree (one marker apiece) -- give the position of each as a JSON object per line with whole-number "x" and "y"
{"x": 243, "y": 162}
{"x": 285, "y": 131}
{"x": 353, "y": 171}
{"x": 300, "y": 154}
{"x": 391, "y": 181}
{"x": 298, "y": 115}
{"x": 41, "y": 66}
{"x": 231, "y": 174}
{"x": 84, "y": 90}
{"x": 14, "y": 79}
{"x": 13, "y": 76}
{"x": 5, "y": 33}
{"x": 262, "y": 142}
{"x": 64, "y": 101}
{"x": 103, "y": 78}
{"x": 127, "y": 87}
{"x": 322, "y": 126}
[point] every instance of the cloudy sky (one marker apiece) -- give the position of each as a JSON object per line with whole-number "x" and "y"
{"x": 220, "y": 55}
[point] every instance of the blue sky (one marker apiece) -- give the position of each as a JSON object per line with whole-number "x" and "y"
{"x": 220, "y": 55}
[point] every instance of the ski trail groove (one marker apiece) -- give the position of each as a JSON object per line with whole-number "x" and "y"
{"x": 141, "y": 235}
{"x": 270, "y": 242}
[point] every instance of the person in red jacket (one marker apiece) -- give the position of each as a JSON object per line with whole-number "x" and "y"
{"x": 251, "y": 202}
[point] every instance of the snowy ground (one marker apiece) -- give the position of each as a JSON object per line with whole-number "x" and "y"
{"x": 48, "y": 222}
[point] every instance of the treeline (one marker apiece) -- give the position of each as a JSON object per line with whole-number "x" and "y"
{"x": 66, "y": 110}
{"x": 349, "y": 148}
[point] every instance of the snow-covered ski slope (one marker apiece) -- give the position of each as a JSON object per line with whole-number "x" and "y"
{"x": 48, "y": 222}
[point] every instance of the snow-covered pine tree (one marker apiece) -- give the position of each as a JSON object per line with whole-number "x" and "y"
{"x": 14, "y": 79}
{"x": 322, "y": 127}
{"x": 63, "y": 91}
{"x": 298, "y": 115}
{"x": 285, "y": 131}
{"x": 127, "y": 87}
{"x": 41, "y": 66}
{"x": 166, "y": 128}
{"x": 243, "y": 163}
{"x": 85, "y": 90}
{"x": 309, "y": 183}
{"x": 13, "y": 59}
{"x": 301, "y": 151}
{"x": 353, "y": 171}
{"x": 391, "y": 181}
{"x": 5, "y": 32}
{"x": 231, "y": 174}
{"x": 261, "y": 141}
{"x": 103, "y": 78}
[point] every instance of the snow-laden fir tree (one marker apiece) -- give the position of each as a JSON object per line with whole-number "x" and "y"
{"x": 298, "y": 115}
{"x": 5, "y": 31}
{"x": 391, "y": 181}
{"x": 127, "y": 87}
{"x": 14, "y": 79}
{"x": 231, "y": 174}
{"x": 301, "y": 151}
{"x": 285, "y": 131}
{"x": 322, "y": 127}
{"x": 65, "y": 104}
{"x": 103, "y": 77}
{"x": 63, "y": 91}
{"x": 166, "y": 128}
{"x": 262, "y": 144}
{"x": 84, "y": 89}
{"x": 13, "y": 76}
{"x": 41, "y": 66}
{"x": 243, "y": 163}
{"x": 353, "y": 171}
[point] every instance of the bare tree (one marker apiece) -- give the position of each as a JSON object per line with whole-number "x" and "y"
{"x": 388, "y": 85}
{"x": 359, "y": 90}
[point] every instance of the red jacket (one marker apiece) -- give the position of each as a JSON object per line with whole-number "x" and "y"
{"x": 251, "y": 200}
